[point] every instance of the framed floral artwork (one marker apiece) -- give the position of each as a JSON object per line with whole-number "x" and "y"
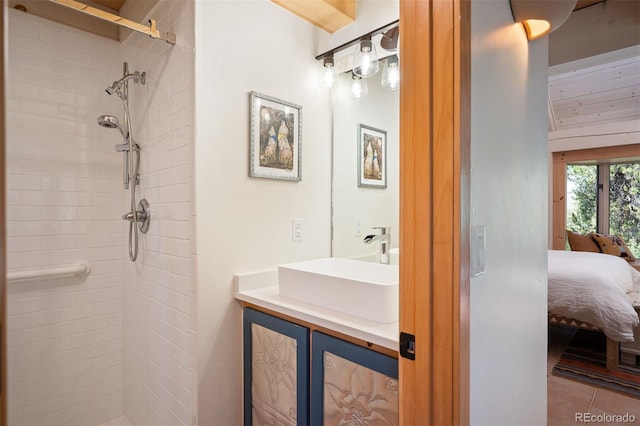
{"x": 275, "y": 145}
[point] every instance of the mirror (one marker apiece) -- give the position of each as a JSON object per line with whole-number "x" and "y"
{"x": 357, "y": 209}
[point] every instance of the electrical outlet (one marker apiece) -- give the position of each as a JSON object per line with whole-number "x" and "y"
{"x": 357, "y": 226}
{"x": 298, "y": 229}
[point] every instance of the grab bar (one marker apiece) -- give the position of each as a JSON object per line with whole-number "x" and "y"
{"x": 78, "y": 269}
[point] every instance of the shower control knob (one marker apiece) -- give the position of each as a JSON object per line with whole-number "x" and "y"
{"x": 143, "y": 216}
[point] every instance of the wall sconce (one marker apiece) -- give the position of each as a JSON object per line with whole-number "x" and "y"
{"x": 390, "y": 73}
{"x": 540, "y": 17}
{"x": 365, "y": 58}
{"x": 327, "y": 77}
{"x": 359, "y": 88}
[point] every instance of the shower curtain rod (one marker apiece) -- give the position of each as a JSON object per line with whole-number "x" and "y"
{"x": 151, "y": 30}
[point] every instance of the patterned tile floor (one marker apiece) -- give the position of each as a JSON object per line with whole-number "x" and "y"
{"x": 566, "y": 399}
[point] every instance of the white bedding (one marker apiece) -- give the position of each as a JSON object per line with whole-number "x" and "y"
{"x": 593, "y": 287}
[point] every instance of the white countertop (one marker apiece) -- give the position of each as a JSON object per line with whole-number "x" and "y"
{"x": 261, "y": 289}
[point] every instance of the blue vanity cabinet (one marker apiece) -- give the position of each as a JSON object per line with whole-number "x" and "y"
{"x": 351, "y": 384}
{"x": 297, "y": 375}
{"x": 276, "y": 370}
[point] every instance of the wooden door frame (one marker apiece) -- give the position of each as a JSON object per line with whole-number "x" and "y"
{"x": 3, "y": 239}
{"x": 434, "y": 209}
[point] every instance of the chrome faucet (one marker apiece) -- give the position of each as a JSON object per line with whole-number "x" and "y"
{"x": 385, "y": 241}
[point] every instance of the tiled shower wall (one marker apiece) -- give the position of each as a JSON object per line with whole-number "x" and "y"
{"x": 64, "y": 200}
{"x": 159, "y": 289}
{"x": 84, "y": 351}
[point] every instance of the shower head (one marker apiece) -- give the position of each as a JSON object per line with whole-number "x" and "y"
{"x": 111, "y": 122}
{"x": 136, "y": 76}
{"x": 112, "y": 89}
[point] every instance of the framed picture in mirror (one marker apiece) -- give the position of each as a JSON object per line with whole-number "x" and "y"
{"x": 275, "y": 138}
{"x": 372, "y": 157}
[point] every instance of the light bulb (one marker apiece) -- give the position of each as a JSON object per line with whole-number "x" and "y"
{"x": 391, "y": 74}
{"x": 365, "y": 59}
{"x": 359, "y": 87}
{"x": 327, "y": 77}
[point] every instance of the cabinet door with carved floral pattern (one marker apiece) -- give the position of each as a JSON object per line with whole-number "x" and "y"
{"x": 351, "y": 385}
{"x": 276, "y": 370}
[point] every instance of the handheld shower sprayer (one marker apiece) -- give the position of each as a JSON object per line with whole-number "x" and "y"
{"x": 112, "y": 122}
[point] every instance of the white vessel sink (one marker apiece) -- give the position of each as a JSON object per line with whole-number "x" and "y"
{"x": 363, "y": 289}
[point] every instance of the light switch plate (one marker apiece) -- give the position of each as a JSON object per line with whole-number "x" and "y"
{"x": 478, "y": 250}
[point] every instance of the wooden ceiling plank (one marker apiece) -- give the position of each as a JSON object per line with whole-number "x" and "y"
{"x": 611, "y": 73}
{"x": 607, "y": 106}
{"x": 594, "y": 87}
{"x": 623, "y": 64}
{"x": 594, "y": 98}
{"x": 329, "y": 15}
{"x": 600, "y": 118}
{"x": 111, "y": 4}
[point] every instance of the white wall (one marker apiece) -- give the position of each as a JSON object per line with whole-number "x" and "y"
{"x": 375, "y": 206}
{"x": 64, "y": 196}
{"x": 160, "y": 288}
{"x": 244, "y": 224}
{"x": 509, "y": 196}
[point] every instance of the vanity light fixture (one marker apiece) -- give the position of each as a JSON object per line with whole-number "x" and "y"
{"x": 540, "y": 17}
{"x": 365, "y": 58}
{"x": 391, "y": 40}
{"x": 327, "y": 77}
{"x": 390, "y": 73}
{"x": 359, "y": 87}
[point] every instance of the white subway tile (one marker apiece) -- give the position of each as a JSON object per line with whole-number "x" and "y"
{"x": 60, "y": 213}
{"x": 25, "y": 306}
{"x": 24, "y": 213}
{"x": 22, "y": 244}
{"x": 108, "y": 360}
{"x": 24, "y": 57}
{"x": 17, "y": 25}
{"x": 37, "y": 46}
{"x": 54, "y": 35}
{"x": 108, "y": 307}
{"x": 23, "y": 182}
{"x": 76, "y": 312}
{"x": 52, "y": 94}
{"x": 23, "y": 90}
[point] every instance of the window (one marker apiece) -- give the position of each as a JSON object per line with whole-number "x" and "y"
{"x": 605, "y": 198}
{"x": 597, "y": 189}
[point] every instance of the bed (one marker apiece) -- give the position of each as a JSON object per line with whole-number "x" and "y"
{"x": 595, "y": 291}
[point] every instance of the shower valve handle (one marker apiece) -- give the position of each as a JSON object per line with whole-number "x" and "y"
{"x": 143, "y": 216}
